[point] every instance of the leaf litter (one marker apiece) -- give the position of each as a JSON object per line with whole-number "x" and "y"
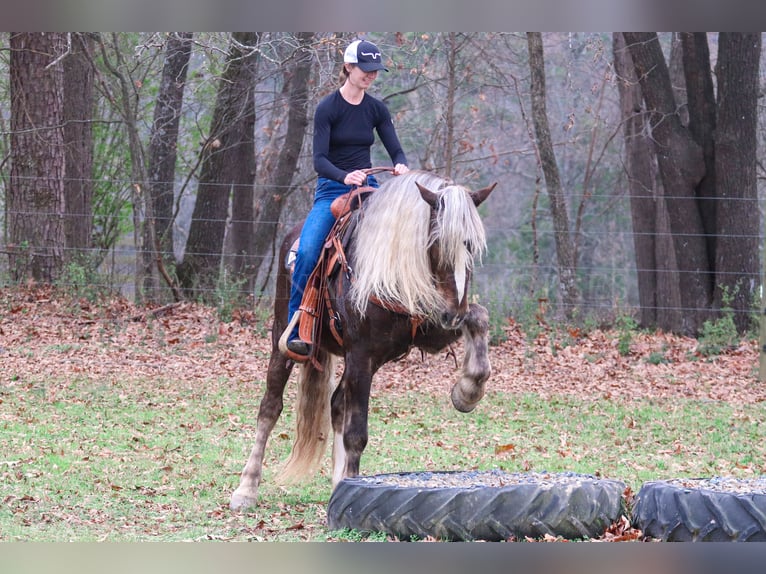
{"x": 45, "y": 337}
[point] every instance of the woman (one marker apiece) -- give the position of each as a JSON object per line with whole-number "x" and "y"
{"x": 344, "y": 126}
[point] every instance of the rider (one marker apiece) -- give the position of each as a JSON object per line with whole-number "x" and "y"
{"x": 343, "y": 134}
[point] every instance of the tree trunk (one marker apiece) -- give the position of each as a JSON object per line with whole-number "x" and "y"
{"x": 36, "y": 193}
{"x": 565, "y": 252}
{"x": 700, "y": 97}
{"x": 658, "y": 294}
{"x": 737, "y": 264}
{"x": 639, "y": 168}
{"x": 200, "y": 268}
{"x": 449, "y": 115}
{"x": 241, "y": 159}
{"x": 162, "y": 159}
{"x": 78, "y": 143}
{"x": 681, "y": 167}
{"x": 278, "y": 172}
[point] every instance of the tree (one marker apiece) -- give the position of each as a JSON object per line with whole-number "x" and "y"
{"x": 78, "y": 146}
{"x": 681, "y": 168}
{"x": 226, "y": 170}
{"x": 715, "y": 241}
{"x": 280, "y": 165}
{"x": 126, "y": 99}
{"x": 737, "y": 263}
{"x": 158, "y": 235}
{"x": 658, "y": 291}
{"x": 565, "y": 249}
{"x": 36, "y": 195}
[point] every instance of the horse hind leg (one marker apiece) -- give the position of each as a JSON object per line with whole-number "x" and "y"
{"x": 469, "y": 389}
{"x": 246, "y": 494}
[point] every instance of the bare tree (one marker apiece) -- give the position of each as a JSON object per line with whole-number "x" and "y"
{"x": 681, "y": 167}
{"x": 280, "y": 165}
{"x": 659, "y": 296}
{"x": 124, "y": 93}
{"x": 707, "y": 169}
{"x": 565, "y": 248}
{"x": 163, "y": 144}
{"x": 225, "y": 170}
{"x": 242, "y": 169}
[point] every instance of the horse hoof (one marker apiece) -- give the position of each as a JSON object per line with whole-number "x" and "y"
{"x": 242, "y": 502}
{"x": 459, "y": 400}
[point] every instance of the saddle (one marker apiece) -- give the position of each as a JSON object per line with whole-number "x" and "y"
{"x": 332, "y": 259}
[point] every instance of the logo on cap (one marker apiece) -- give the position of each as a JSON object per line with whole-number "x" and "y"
{"x": 365, "y": 55}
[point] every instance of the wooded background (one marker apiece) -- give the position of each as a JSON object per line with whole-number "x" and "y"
{"x": 169, "y": 166}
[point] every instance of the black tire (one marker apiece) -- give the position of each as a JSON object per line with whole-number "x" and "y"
{"x": 697, "y": 510}
{"x": 532, "y": 505}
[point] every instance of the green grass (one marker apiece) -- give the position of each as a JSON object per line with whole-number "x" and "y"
{"x": 157, "y": 460}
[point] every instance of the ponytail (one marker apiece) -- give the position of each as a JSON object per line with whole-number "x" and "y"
{"x": 343, "y": 75}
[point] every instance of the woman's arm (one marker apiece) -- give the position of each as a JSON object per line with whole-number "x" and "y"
{"x": 322, "y": 164}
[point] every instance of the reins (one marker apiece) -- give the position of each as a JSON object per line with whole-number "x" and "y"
{"x": 374, "y": 170}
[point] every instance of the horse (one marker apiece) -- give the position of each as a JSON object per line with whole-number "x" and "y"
{"x": 411, "y": 249}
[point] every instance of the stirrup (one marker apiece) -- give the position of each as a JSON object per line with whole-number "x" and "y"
{"x": 283, "y": 339}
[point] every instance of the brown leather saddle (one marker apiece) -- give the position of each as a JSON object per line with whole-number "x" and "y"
{"x": 317, "y": 298}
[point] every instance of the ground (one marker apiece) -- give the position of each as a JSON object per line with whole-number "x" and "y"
{"x": 75, "y": 338}
{"x": 54, "y": 338}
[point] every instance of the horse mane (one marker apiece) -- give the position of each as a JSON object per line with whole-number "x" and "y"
{"x": 393, "y": 235}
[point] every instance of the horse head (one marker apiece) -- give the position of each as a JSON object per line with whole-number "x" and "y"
{"x": 456, "y": 239}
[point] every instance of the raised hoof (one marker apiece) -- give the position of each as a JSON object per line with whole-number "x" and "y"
{"x": 459, "y": 399}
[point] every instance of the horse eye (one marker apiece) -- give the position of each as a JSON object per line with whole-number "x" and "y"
{"x": 468, "y": 246}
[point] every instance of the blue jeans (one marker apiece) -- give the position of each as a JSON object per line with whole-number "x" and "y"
{"x": 318, "y": 224}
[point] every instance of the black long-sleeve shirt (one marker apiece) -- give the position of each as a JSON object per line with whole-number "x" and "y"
{"x": 343, "y": 135}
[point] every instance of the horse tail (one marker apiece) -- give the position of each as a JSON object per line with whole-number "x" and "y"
{"x": 313, "y": 424}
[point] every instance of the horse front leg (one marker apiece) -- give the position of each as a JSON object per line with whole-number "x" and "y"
{"x": 246, "y": 494}
{"x": 469, "y": 389}
{"x": 350, "y": 405}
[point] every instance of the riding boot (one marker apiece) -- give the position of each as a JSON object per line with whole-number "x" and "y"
{"x": 298, "y": 345}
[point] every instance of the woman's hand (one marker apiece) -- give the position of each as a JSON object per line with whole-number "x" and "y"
{"x": 400, "y": 169}
{"x": 357, "y": 177}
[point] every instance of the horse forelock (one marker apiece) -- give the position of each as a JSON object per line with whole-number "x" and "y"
{"x": 459, "y": 229}
{"x": 391, "y": 260}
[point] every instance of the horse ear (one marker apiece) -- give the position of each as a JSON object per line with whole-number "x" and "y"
{"x": 482, "y": 194}
{"x": 428, "y": 196}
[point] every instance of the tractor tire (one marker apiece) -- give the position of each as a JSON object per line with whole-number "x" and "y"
{"x": 701, "y": 510}
{"x": 465, "y": 506}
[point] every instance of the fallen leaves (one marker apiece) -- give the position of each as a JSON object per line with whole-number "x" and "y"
{"x": 50, "y": 338}
{"x": 621, "y": 531}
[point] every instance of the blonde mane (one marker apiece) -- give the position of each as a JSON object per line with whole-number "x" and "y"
{"x": 392, "y": 239}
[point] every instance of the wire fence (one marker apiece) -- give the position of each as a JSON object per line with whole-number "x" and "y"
{"x": 509, "y": 278}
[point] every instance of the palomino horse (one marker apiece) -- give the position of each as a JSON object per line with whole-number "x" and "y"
{"x": 409, "y": 253}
